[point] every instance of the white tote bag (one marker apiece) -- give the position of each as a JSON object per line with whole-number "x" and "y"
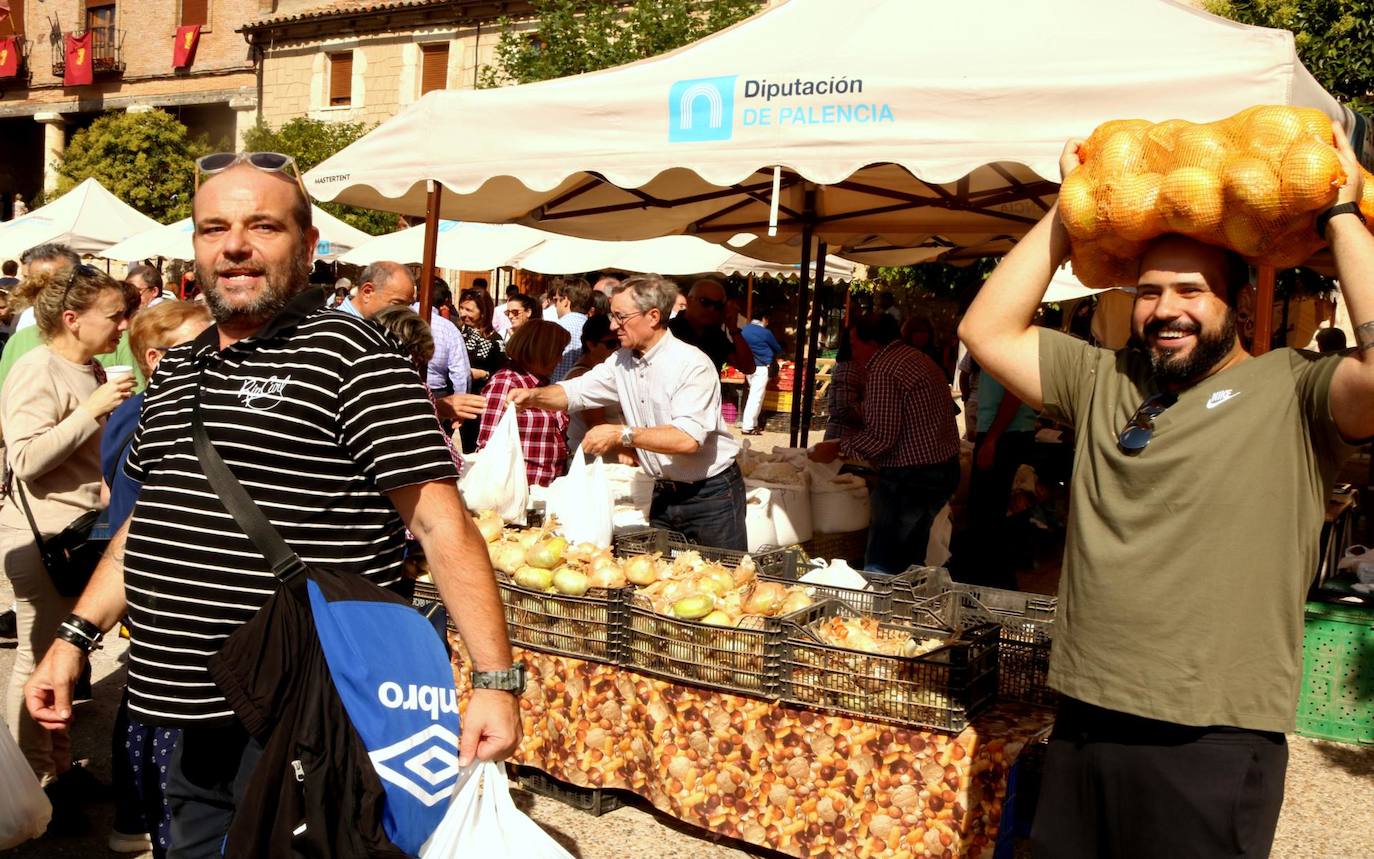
{"x": 24, "y": 807}
{"x": 482, "y": 822}
{"x": 495, "y": 479}
{"x": 581, "y": 500}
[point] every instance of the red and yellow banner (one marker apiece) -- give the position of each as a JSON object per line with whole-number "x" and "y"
{"x": 78, "y": 70}
{"x": 9, "y": 57}
{"x": 184, "y": 51}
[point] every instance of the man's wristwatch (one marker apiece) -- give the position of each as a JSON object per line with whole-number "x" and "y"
{"x": 627, "y": 437}
{"x": 510, "y": 680}
{"x": 1339, "y": 209}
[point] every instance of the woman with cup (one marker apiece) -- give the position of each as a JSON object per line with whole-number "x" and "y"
{"x": 53, "y": 407}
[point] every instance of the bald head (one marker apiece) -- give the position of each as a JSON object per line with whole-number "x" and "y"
{"x": 706, "y": 303}
{"x": 384, "y": 284}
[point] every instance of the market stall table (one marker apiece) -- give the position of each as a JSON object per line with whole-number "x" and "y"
{"x": 790, "y": 779}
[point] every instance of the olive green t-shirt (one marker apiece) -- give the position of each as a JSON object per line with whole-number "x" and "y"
{"x": 1186, "y": 566}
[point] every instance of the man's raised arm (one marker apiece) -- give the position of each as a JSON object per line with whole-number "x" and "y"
{"x": 998, "y": 328}
{"x": 1352, "y": 387}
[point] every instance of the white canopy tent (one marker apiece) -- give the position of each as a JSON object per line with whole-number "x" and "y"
{"x": 477, "y": 247}
{"x": 87, "y": 219}
{"x": 173, "y": 241}
{"x": 914, "y": 130}
{"x": 910, "y": 132}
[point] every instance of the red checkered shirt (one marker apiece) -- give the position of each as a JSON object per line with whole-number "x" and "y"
{"x": 541, "y": 431}
{"x": 908, "y": 412}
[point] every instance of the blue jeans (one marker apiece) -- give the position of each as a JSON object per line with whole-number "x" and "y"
{"x": 905, "y": 501}
{"x": 709, "y": 512}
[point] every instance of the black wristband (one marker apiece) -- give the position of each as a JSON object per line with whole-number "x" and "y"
{"x": 1339, "y": 209}
{"x": 76, "y": 630}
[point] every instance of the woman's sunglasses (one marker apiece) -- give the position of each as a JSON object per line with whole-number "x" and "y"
{"x": 1141, "y": 427}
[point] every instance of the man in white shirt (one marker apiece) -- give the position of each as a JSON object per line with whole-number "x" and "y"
{"x": 669, "y": 394}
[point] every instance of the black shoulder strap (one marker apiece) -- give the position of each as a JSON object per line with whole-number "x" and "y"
{"x": 285, "y": 563}
{"x": 28, "y": 514}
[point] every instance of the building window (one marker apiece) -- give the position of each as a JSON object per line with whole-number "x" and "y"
{"x": 100, "y": 23}
{"x": 195, "y": 12}
{"x": 433, "y": 67}
{"x": 13, "y": 25}
{"x": 341, "y": 79}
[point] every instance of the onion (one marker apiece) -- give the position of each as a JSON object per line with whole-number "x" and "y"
{"x": 642, "y": 569}
{"x": 606, "y": 576}
{"x": 570, "y": 582}
{"x": 796, "y": 601}
{"x": 534, "y": 578}
{"x": 509, "y": 557}
{"x": 490, "y": 526}
{"x": 718, "y": 618}
{"x": 694, "y": 607}
{"x": 765, "y": 598}
{"x": 547, "y": 553}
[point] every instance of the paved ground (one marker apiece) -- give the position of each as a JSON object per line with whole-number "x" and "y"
{"x": 1327, "y": 812}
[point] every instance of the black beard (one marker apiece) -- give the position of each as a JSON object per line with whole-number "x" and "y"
{"x": 282, "y": 286}
{"x": 1211, "y": 349}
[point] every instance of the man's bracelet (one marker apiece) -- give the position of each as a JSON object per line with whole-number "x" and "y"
{"x": 78, "y": 631}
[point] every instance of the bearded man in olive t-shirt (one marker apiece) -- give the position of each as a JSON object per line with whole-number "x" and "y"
{"x": 1198, "y": 494}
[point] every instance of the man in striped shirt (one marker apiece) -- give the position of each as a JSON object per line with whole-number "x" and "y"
{"x": 331, "y": 433}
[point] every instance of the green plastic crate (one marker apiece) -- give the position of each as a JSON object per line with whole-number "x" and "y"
{"x": 1337, "y": 701}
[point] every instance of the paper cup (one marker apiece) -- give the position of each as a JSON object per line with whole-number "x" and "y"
{"x": 118, "y": 371}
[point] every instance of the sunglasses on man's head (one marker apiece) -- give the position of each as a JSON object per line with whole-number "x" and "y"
{"x": 1141, "y": 427}
{"x": 267, "y": 162}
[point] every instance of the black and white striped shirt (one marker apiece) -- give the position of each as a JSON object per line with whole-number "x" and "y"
{"x": 318, "y": 416}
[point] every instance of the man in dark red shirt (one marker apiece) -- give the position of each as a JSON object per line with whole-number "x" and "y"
{"x": 910, "y": 438}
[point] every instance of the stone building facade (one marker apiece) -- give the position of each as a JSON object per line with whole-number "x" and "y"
{"x": 216, "y": 96}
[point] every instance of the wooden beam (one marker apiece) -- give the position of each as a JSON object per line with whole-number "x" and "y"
{"x": 431, "y": 248}
{"x": 1264, "y": 310}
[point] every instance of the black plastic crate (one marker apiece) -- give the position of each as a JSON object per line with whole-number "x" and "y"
{"x": 777, "y": 562}
{"x": 1026, "y": 621}
{"x": 591, "y": 626}
{"x": 944, "y": 689}
{"x": 595, "y": 801}
{"x": 746, "y": 659}
{"x": 875, "y": 601}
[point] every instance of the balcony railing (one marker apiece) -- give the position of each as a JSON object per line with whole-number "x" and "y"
{"x": 107, "y": 53}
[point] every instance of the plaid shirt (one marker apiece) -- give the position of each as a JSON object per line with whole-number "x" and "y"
{"x": 541, "y": 431}
{"x": 908, "y": 412}
{"x": 846, "y": 400}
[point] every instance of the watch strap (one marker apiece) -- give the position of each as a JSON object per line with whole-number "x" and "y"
{"x": 510, "y": 680}
{"x": 1339, "y": 209}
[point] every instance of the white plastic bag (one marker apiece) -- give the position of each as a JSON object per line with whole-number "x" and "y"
{"x": 496, "y": 479}
{"x": 789, "y": 508}
{"x": 581, "y": 501}
{"x": 482, "y": 822}
{"x": 941, "y": 531}
{"x": 758, "y": 518}
{"x": 24, "y": 807}
{"x": 632, "y": 496}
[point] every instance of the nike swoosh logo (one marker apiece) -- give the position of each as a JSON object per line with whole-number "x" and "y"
{"x": 1221, "y": 397}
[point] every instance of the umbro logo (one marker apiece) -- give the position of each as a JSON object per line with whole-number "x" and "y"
{"x": 430, "y": 756}
{"x": 1219, "y": 397}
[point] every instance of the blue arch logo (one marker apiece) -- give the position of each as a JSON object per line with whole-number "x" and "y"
{"x": 702, "y": 109}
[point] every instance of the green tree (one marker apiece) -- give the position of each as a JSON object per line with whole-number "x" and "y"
{"x": 145, "y": 159}
{"x": 311, "y": 141}
{"x": 577, "y": 36}
{"x": 1334, "y": 39}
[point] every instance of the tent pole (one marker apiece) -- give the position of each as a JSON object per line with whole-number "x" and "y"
{"x": 809, "y": 404}
{"x": 749, "y": 299}
{"x": 1264, "y": 310}
{"x": 803, "y": 286}
{"x": 431, "y": 248}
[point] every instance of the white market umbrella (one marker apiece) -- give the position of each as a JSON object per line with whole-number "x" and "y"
{"x": 669, "y": 255}
{"x": 895, "y": 149}
{"x": 173, "y": 241}
{"x": 88, "y": 219}
{"x": 462, "y": 245}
